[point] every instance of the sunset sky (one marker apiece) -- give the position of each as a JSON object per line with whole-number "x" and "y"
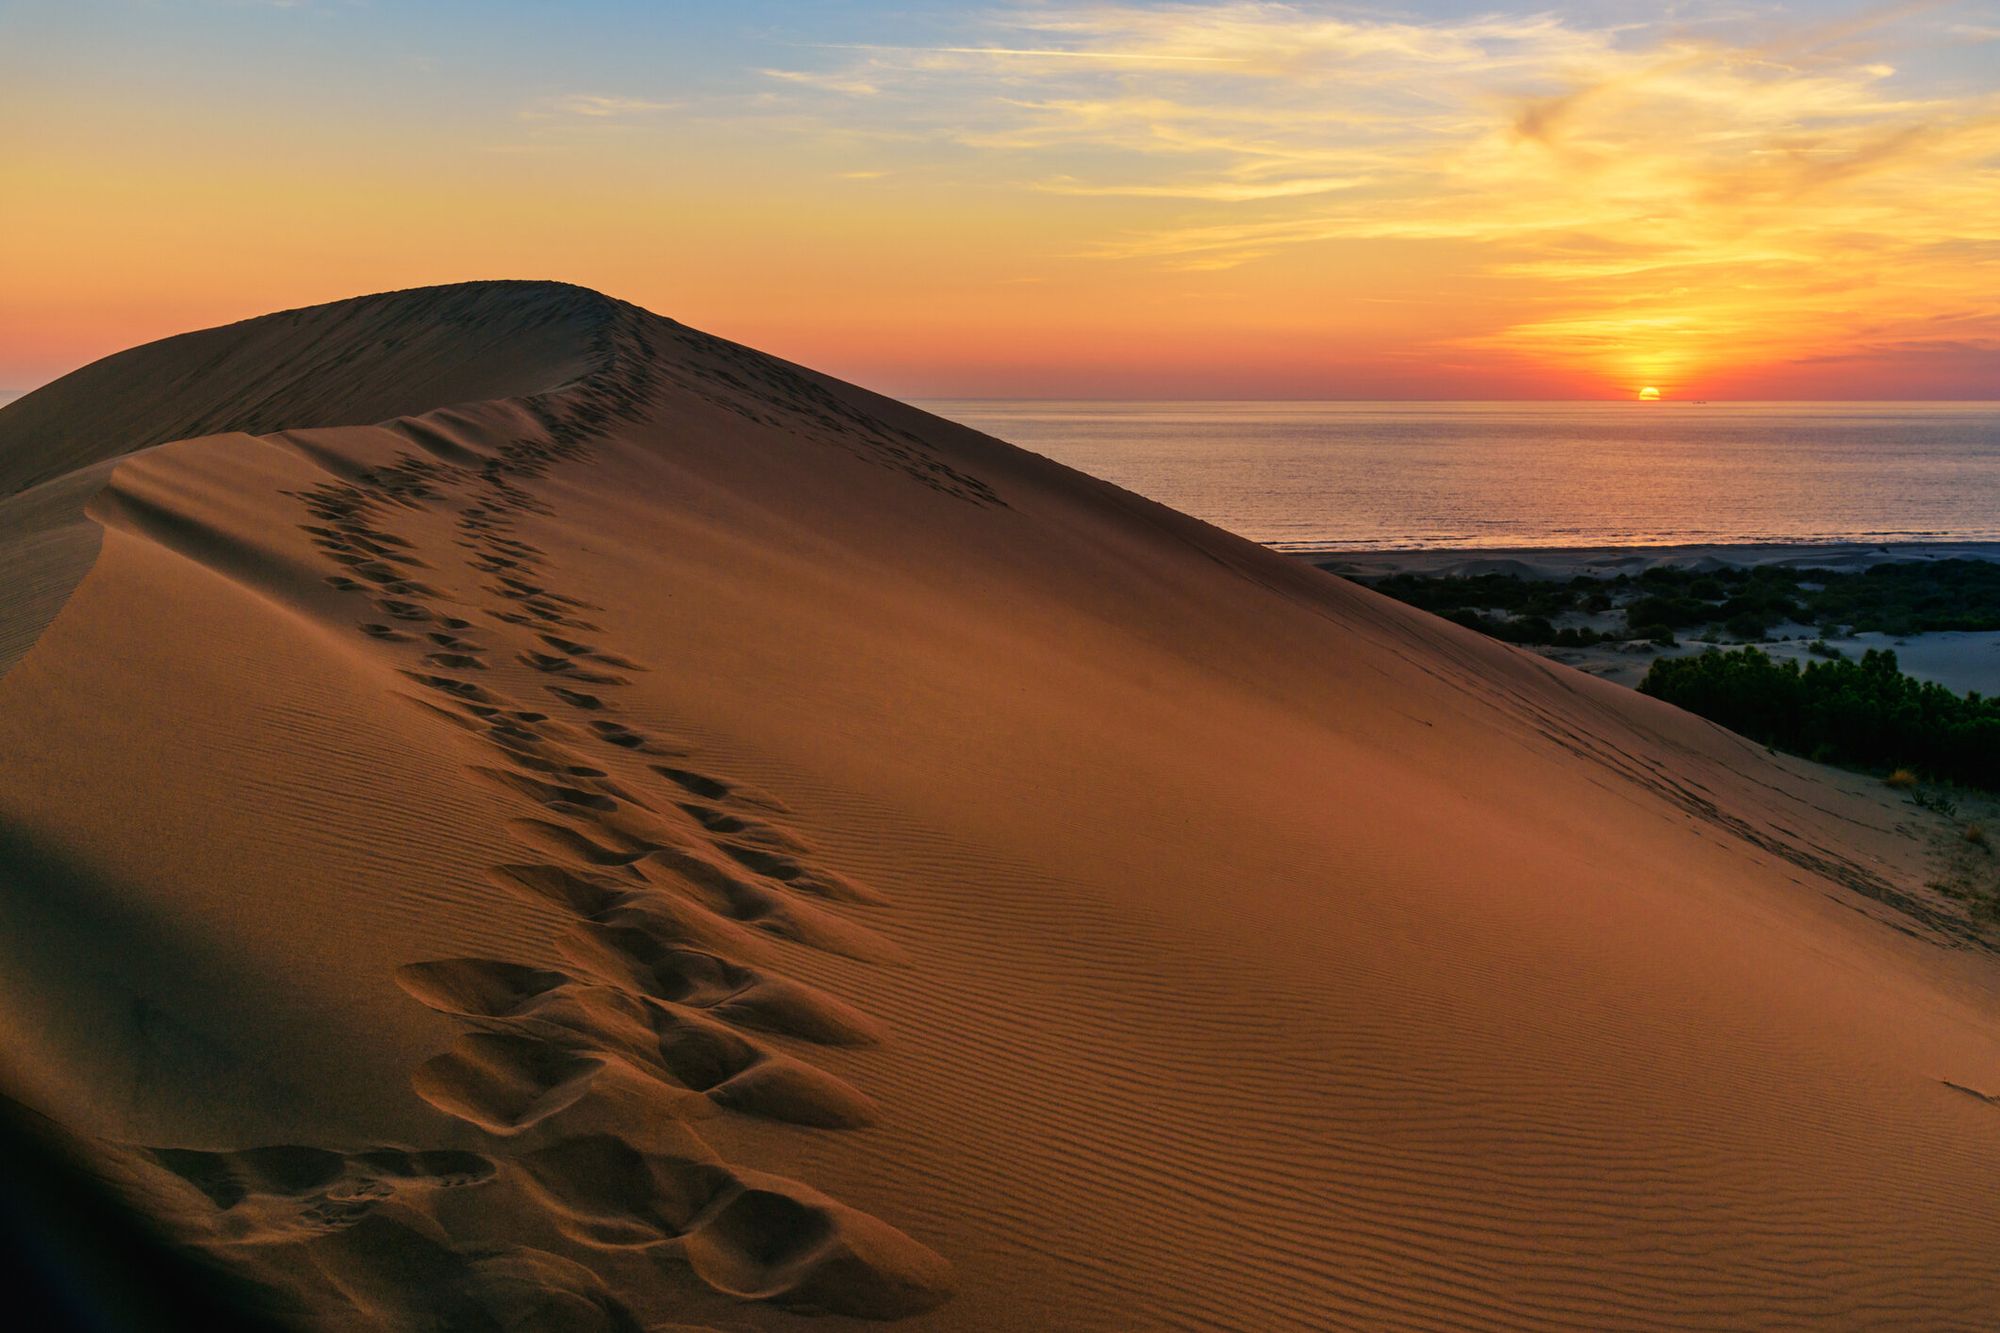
{"x": 1047, "y": 199}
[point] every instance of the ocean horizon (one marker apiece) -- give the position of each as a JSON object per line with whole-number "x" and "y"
{"x": 1333, "y": 475}
{"x": 1303, "y": 476}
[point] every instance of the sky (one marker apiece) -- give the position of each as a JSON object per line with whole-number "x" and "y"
{"x": 1047, "y": 198}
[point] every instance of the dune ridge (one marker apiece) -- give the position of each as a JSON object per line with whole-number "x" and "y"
{"x": 530, "y": 815}
{"x": 344, "y": 363}
{"x": 348, "y": 362}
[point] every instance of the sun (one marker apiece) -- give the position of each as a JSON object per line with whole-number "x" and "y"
{"x": 1649, "y": 394}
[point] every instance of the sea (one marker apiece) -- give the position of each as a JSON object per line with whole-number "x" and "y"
{"x": 1334, "y": 476}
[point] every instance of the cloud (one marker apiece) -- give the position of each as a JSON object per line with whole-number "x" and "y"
{"x": 595, "y": 106}
{"x": 927, "y": 54}
{"x": 1227, "y": 190}
{"x": 1647, "y": 190}
{"x": 852, "y": 85}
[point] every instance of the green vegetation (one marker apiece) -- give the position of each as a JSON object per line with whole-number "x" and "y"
{"x": 1513, "y": 609}
{"x": 1899, "y": 598}
{"x": 1937, "y": 802}
{"x": 1524, "y": 629}
{"x": 1865, "y": 713}
{"x": 1911, "y": 597}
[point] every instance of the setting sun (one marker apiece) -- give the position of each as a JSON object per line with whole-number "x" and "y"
{"x": 1649, "y": 394}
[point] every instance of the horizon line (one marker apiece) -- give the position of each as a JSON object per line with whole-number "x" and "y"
{"x": 1637, "y": 402}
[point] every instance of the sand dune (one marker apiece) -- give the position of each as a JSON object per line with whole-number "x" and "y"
{"x": 519, "y": 814}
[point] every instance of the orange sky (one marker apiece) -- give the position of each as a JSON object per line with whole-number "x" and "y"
{"x": 1203, "y": 200}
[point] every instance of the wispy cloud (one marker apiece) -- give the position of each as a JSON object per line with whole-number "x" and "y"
{"x": 921, "y": 54}
{"x": 852, "y": 85}
{"x": 1235, "y": 191}
{"x": 595, "y": 106}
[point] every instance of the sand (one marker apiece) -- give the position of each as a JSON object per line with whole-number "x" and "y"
{"x": 643, "y": 836}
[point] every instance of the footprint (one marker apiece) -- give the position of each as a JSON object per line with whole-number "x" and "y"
{"x": 625, "y": 738}
{"x": 566, "y": 841}
{"x": 292, "y": 1191}
{"x": 504, "y": 1083}
{"x": 554, "y": 795}
{"x": 742, "y": 1076}
{"x": 701, "y": 786}
{"x": 776, "y": 1240}
{"x": 564, "y": 666}
{"x": 764, "y": 909}
{"x": 479, "y": 987}
{"x": 582, "y": 895}
{"x": 793, "y": 874}
{"x": 606, "y": 1192}
{"x": 718, "y": 789}
{"x": 666, "y": 969}
{"x": 575, "y": 649}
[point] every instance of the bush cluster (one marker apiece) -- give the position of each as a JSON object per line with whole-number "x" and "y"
{"x": 1865, "y": 713}
{"x": 1911, "y": 597}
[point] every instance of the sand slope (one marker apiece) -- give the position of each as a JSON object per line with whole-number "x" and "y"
{"x": 652, "y": 837}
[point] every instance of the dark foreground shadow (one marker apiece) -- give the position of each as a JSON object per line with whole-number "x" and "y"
{"x": 74, "y": 1258}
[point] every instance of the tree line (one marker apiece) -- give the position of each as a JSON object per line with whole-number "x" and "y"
{"x": 1865, "y": 713}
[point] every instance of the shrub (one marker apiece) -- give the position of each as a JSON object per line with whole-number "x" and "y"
{"x": 1936, "y": 804}
{"x": 1673, "y": 612}
{"x": 1902, "y": 779}
{"x": 1747, "y": 625}
{"x": 1525, "y": 629}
